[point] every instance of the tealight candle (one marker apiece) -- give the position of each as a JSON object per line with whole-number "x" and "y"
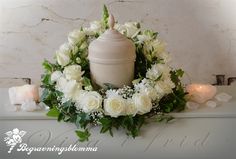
{"x": 201, "y": 93}
{"x": 18, "y": 95}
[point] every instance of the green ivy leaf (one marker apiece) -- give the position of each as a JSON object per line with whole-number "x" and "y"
{"x": 82, "y": 120}
{"x": 106, "y": 125}
{"x": 46, "y": 79}
{"x": 53, "y": 112}
{"x": 83, "y": 135}
{"x": 48, "y": 67}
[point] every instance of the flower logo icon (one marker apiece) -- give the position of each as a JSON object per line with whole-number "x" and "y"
{"x": 13, "y": 138}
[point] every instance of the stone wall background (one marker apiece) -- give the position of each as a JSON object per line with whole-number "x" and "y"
{"x": 201, "y": 34}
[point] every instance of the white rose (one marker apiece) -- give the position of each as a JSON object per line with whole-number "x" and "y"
{"x": 142, "y": 102}
{"x": 55, "y": 76}
{"x": 150, "y": 92}
{"x": 63, "y": 55}
{"x": 143, "y": 38}
{"x": 84, "y": 45}
{"x": 69, "y": 88}
{"x": 75, "y": 37}
{"x": 130, "y": 109}
{"x": 131, "y": 29}
{"x": 154, "y": 72}
{"x": 170, "y": 83}
{"x": 158, "y": 70}
{"x": 73, "y": 72}
{"x": 61, "y": 82}
{"x": 158, "y": 46}
{"x": 120, "y": 28}
{"x": 114, "y": 106}
{"x": 96, "y": 26}
{"x": 90, "y": 101}
{"x": 164, "y": 87}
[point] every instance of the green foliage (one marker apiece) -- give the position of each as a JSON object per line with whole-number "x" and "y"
{"x": 131, "y": 124}
{"x": 176, "y": 75}
{"x": 105, "y": 16}
{"x": 53, "y": 112}
{"x": 50, "y": 67}
{"x": 142, "y": 64}
{"x": 82, "y": 120}
{"x": 87, "y": 84}
{"x": 83, "y": 135}
{"x": 176, "y": 100}
{"x": 164, "y": 117}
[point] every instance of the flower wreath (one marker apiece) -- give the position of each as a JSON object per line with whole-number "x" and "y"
{"x": 68, "y": 91}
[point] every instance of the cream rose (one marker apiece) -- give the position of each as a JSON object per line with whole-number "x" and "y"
{"x": 142, "y": 102}
{"x": 130, "y": 109}
{"x": 90, "y": 101}
{"x": 164, "y": 87}
{"x": 114, "y": 106}
{"x": 73, "y": 72}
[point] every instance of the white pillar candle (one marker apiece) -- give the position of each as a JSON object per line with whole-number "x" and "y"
{"x": 201, "y": 93}
{"x": 18, "y": 95}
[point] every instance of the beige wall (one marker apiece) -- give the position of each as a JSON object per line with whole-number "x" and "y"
{"x": 201, "y": 34}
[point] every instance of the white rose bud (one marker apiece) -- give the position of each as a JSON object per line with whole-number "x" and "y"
{"x": 64, "y": 53}
{"x": 55, "y": 76}
{"x": 114, "y": 106}
{"x": 90, "y": 101}
{"x": 73, "y": 72}
{"x": 75, "y": 37}
{"x": 142, "y": 102}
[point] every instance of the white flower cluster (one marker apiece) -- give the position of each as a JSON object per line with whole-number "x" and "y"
{"x": 69, "y": 83}
{"x": 153, "y": 87}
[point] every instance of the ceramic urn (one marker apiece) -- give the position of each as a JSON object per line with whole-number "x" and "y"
{"x": 112, "y": 57}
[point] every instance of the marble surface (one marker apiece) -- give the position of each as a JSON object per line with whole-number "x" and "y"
{"x": 201, "y": 34}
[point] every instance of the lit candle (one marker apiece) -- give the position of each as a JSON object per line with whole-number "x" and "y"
{"x": 21, "y": 94}
{"x": 201, "y": 93}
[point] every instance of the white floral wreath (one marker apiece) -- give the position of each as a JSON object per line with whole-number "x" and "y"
{"x": 68, "y": 80}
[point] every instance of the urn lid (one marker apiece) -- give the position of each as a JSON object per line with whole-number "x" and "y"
{"x": 111, "y": 47}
